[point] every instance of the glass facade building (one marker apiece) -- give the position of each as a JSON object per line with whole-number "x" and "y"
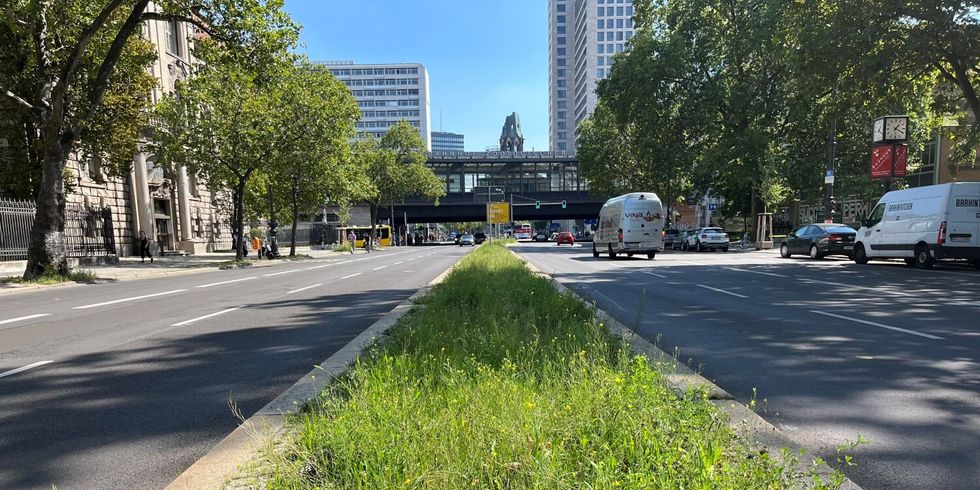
{"x": 445, "y": 141}
{"x": 386, "y": 94}
{"x": 583, "y": 37}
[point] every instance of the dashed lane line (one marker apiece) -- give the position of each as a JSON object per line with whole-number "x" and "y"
{"x": 721, "y": 291}
{"x": 134, "y": 298}
{"x": 192, "y": 320}
{"x": 281, "y": 273}
{"x": 304, "y": 289}
{"x": 227, "y": 282}
{"x": 22, "y": 318}
{"x": 25, "y": 368}
{"x": 879, "y": 325}
{"x": 379, "y": 268}
{"x": 352, "y": 275}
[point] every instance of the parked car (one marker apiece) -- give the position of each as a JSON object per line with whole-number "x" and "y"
{"x": 923, "y": 225}
{"x": 565, "y": 237}
{"x": 819, "y": 240}
{"x": 540, "y": 237}
{"x": 671, "y": 237}
{"x": 479, "y": 237}
{"x": 630, "y": 224}
{"x": 708, "y": 239}
{"x": 681, "y": 242}
{"x": 467, "y": 240}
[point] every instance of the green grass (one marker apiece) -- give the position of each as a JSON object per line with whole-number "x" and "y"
{"x": 235, "y": 264}
{"x": 78, "y": 275}
{"x": 501, "y": 382}
{"x": 341, "y": 247}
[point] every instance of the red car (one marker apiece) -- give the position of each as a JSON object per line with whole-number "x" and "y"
{"x": 566, "y": 237}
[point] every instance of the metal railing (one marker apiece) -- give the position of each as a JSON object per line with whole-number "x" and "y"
{"x": 16, "y": 219}
{"x": 88, "y": 232}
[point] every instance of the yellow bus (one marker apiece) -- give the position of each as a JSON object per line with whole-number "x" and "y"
{"x": 382, "y": 232}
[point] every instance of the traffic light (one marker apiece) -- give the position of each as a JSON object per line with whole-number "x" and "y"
{"x": 564, "y": 204}
{"x": 537, "y": 204}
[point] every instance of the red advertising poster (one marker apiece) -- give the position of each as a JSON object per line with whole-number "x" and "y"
{"x": 881, "y": 162}
{"x": 901, "y": 160}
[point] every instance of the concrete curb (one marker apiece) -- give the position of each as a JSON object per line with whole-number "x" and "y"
{"x": 239, "y": 448}
{"x": 741, "y": 418}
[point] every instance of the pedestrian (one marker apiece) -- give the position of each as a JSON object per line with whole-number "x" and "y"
{"x": 351, "y": 238}
{"x": 367, "y": 242}
{"x": 145, "y": 248}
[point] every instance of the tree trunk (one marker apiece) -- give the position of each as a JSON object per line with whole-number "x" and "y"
{"x": 374, "y": 219}
{"x": 46, "y": 251}
{"x": 292, "y": 239}
{"x": 391, "y": 222}
{"x": 239, "y": 218}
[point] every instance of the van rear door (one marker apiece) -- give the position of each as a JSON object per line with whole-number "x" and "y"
{"x": 963, "y": 222}
{"x": 642, "y": 223}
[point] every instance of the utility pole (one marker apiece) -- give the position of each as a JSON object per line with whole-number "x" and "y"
{"x": 273, "y": 224}
{"x": 828, "y": 205}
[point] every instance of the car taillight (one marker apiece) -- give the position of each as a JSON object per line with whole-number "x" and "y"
{"x": 835, "y": 238}
{"x": 941, "y": 239}
{"x": 620, "y": 234}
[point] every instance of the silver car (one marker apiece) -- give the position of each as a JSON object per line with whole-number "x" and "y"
{"x": 467, "y": 240}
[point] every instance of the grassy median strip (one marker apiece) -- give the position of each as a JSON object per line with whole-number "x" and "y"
{"x": 501, "y": 382}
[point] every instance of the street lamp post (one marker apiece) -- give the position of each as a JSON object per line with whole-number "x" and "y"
{"x": 829, "y": 204}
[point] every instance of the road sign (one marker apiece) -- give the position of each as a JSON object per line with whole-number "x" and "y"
{"x": 590, "y": 221}
{"x": 498, "y": 213}
{"x": 829, "y": 178}
{"x": 712, "y": 207}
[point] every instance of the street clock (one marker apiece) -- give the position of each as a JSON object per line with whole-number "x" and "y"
{"x": 891, "y": 129}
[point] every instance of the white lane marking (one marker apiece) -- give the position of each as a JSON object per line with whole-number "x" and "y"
{"x": 876, "y": 290}
{"x": 25, "y": 368}
{"x": 720, "y": 290}
{"x": 226, "y": 282}
{"x": 134, "y": 298}
{"x": 280, "y": 273}
{"x": 352, "y": 275}
{"x": 879, "y": 325}
{"x": 21, "y": 318}
{"x": 192, "y": 320}
{"x": 773, "y": 274}
{"x": 304, "y": 289}
{"x": 411, "y": 259}
{"x": 408, "y": 271}
{"x": 655, "y": 274}
{"x": 379, "y": 268}
{"x": 318, "y": 267}
{"x": 399, "y": 263}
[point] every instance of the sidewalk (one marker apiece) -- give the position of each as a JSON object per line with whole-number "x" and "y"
{"x": 133, "y": 268}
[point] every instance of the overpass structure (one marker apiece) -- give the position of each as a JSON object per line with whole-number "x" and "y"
{"x": 520, "y": 177}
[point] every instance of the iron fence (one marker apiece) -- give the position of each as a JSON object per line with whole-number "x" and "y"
{"x": 16, "y": 219}
{"x": 88, "y": 231}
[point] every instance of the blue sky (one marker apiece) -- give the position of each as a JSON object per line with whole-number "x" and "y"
{"x": 485, "y": 58}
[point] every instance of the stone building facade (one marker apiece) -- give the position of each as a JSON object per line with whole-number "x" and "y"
{"x": 177, "y": 212}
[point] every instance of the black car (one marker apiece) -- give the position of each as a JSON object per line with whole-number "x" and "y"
{"x": 672, "y": 237}
{"x": 540, "y": 237}
{"x": 480, "y": 237}
{"x": 819, "y": 240}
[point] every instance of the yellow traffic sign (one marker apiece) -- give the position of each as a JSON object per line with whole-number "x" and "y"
{"x": 498, "y": 213}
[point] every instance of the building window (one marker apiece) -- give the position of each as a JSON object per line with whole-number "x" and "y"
{"x": 561, "y": 61}
{"x": 600, "y": 36}
{"x": 561, "y": 72}
{"x": 601, "y": 24}
{"x": 173, "y": 37}
{"x": 561, "y": 29}
{"x": 562, "y": 94}
{"x": 561, "y": 41}
{"x": 562, "y": 104}
{"x": 619, "y": 36}
{"x": 561, "y": 147}
{"x": 629, "y": 35}
{"x": 619, "y": 23}
{"x": 600, "y": 11}
{"x": 600, "y": 73}
{"x": 561, "y": 7}
{"x": 561, "y": 51}
{"x": 619, "y": 11}
{"x": 619, "y": 47}
{"x": 562, "y": 125}
{"x": 629, "y": 10}
{"x": 562, "y": 135}
{"x": 561, "y": 19}
{"x": 600, "y": 61}
{"x": 600, "y": 48}
{"x": 609, "y": 11}
{"x": 562, "y": 115}
{"x": 562, "y": 83}
{"x": 95, "y": 168}
{"x": 192, "y": 184}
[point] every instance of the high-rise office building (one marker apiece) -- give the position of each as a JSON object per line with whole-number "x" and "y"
{"x": 386, "y": 94}
{"x": 444, "y": 141}
{"x": 583, "y": 36}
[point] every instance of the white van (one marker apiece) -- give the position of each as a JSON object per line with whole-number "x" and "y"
{"x": 922, "y": 225}
{"x": 630, "y": 224}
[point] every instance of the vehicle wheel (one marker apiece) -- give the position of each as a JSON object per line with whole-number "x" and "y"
{"x": 784, "y": 251}
{"x": 629, "y": 254}
{"x": 922, "y": 258}
{"x": 814, "y": 253}
{"x": 651, "y": 255}
{"x": 976, "y": 264}
{"x": 612, "y": 255}
{"x": 860, "y": 256}
{"x": 595, "y": 253}
{"x": 700, "y": 248}
{"x": 909, "y": 262}
{"x": 724, "y": 249}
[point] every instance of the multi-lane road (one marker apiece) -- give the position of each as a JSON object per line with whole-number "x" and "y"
{"x": 830, "y": 349}
{"x": 125, "y": 385}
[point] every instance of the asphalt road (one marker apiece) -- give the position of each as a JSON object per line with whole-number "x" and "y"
{"x": 830, "y": 349}
{"x": 127, "y": 384}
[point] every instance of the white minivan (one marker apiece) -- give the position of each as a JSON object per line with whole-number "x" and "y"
{"x": 922, "y": 225}
{"x": 630, "y": 224}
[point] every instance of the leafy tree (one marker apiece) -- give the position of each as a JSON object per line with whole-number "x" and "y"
{"x": 74, "y": 72}
{"x": 395, "y": 167}
{"x": 231, "y": 121}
